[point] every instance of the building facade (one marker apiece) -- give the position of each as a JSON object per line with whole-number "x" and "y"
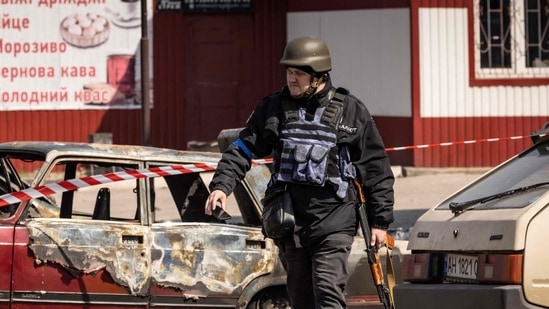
{"x": 449, "y": 83}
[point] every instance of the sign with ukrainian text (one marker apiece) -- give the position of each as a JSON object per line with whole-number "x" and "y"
{"x": 168, "y": 5}
{"x": 70, "y": 54}
{"x": 199, "y": 6}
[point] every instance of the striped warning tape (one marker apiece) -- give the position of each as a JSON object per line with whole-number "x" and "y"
{"x": 497, "y": 139}
{"x": 76, "y": 183}
{"x": 73, "y": 184}
{"x": 262, "y": 161}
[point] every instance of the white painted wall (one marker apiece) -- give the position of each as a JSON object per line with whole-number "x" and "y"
{"x": 444, "y": 74}
{"x": 371, "y": 54}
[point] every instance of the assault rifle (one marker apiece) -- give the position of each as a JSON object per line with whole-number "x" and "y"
{"x": 373, "y": 256}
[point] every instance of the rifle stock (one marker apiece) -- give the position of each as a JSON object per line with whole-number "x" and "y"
{"x": 371, "y": 252}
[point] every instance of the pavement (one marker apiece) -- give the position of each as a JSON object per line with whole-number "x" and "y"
{"x": 419, "y": 189}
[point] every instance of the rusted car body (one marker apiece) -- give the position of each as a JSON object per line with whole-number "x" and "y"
{"x": 136, "y": 241}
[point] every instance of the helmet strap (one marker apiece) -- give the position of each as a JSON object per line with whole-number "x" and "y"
{"x": 316, "y": 81}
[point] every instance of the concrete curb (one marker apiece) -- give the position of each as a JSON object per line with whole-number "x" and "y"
{"x": 407, "y": 171}
{"x": 397, "y": 171}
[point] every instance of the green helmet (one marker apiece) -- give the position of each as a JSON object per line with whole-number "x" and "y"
{"x": 307, "y": 52}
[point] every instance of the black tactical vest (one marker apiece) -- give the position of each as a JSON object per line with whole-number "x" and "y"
{"x": 308, "y": 151}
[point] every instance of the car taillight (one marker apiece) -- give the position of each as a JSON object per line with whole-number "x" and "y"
{"x": 491, "y": 268}
{"x": 423, "y": 267}
{"x": 500, "y": 268}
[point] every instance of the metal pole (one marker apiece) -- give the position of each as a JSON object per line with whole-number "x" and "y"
{"x": 145, "y": 104}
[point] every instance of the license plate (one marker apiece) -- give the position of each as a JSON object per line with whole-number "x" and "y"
{"x": 461, "y": 266}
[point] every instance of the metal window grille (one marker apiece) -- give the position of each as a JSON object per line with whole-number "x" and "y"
{"x": 495, "y": 33}
{"x": 537, "y": 32}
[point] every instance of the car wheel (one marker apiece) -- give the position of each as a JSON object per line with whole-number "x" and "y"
{"x": 273, "y": 298}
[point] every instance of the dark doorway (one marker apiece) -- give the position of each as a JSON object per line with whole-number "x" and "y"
{"x": 217, "y": 73}
{"x": 212, "y": 68}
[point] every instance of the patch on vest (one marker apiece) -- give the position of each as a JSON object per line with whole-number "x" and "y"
{"x": 347, "y": 129}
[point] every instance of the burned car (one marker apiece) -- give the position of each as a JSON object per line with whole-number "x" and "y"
{"x": 484, "y": 247}
{"x": 92, "y": 225}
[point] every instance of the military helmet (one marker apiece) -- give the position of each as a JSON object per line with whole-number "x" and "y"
{"x": 307, "y": 52}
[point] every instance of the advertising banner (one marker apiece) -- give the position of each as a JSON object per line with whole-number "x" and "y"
{"x": 71, "y": 54}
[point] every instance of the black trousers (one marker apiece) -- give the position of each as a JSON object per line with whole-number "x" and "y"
{"x": 317, "y": 272}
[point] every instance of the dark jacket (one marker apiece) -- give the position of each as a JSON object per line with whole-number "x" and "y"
{"x": 318, "y": 210}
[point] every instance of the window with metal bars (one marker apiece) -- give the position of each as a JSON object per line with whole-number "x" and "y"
{"x": 536, "y": 19}
{"x": 495, "y": 33}
{"x": 512, "y": 39}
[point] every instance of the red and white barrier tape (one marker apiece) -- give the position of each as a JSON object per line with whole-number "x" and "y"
{"x": 497, "y": 139}
{"x": 262, "y": 161}
{"x": 73, "y": 184}
{"x": 77, "y": 183}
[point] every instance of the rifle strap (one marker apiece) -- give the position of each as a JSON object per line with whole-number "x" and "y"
{"x": 390, "y": 274}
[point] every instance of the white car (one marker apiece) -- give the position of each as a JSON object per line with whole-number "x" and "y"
{"x": 485, "y": 246}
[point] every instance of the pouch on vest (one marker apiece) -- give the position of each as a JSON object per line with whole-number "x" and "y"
{"x": 301, "y": 155}
{"x": 278, "y": 213}
{"x": 316, "y": 169}
{"x": 346, "y": 166}
{"x": 305, "y": 163}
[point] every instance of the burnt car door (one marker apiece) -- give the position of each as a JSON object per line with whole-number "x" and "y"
{"x": 9, "y": 182}
{"x": 86, "y": 246}
{"x": 198, "y": 259}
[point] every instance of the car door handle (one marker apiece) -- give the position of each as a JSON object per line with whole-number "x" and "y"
{"x": 255, "y": 244}
{"x": 132, "y": 239}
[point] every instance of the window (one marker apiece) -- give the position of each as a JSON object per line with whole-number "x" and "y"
{"x": 528, "y": 169}
{"x": 494, "y": 30}
{"x": 511, "y": 39}
{"x": 181, "y": 198}
{"x": 112, "y": 201}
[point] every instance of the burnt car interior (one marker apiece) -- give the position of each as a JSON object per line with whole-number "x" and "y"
{"x": 190, "y": 194}
{"x": 102, "y": 208}
{"x": 174, "y": 198}
{"x": 10, "y": 180}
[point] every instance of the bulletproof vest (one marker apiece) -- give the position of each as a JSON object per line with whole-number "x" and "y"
{"x": 308, "y": 151}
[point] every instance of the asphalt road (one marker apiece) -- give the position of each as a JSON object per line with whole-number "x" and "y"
{"x": 417, "y": 190}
